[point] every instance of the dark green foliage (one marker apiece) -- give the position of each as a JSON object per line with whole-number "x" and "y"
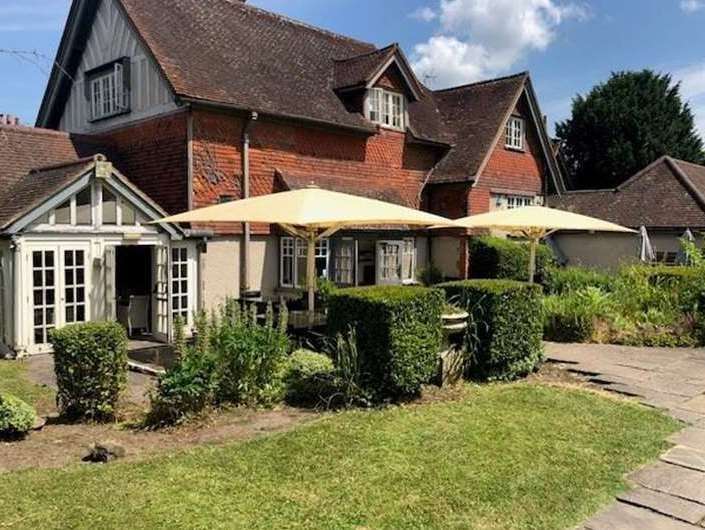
{"x": 557, "y": 280}
{"x": 90, "y": 361}
{"x": 623, "y": 125}
{"x": 500, "y": 258}
{"x": 398, "y": 333}
{"x": 185, "y": 390}
{"x": 309, "y": 378}
{"x": 505, "y": 329}
{"x": 571, "y": 315}
{"x": 16, "y": 416}
{"x": 430, "y": 276}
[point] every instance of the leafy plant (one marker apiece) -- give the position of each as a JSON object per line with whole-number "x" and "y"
{"x": 430, "y": 276}
{"x": 559, "y": 280}
{"x": 309, "y": 378}
{"x": 505, "y": 259}
{"x": 90, "y": 362}
{"x": 16, "y": 416}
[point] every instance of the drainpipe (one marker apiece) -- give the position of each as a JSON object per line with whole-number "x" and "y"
{"x": 17, "y": 296}
{"x": 245, "y": 281}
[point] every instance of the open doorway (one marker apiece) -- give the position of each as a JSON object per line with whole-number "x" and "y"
{"x": 133, "y": 289}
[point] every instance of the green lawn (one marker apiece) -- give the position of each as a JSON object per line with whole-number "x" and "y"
{"x": 13, "y": 379}
{"x": 512, "y": 456}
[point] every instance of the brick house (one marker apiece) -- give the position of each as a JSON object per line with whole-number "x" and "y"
{"x": 195, "y": 102}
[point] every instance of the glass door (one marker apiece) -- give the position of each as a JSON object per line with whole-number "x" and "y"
{"x": 74, "y": 286}
{"x": 389, "y": 262}
{"x": 43, "y": 295}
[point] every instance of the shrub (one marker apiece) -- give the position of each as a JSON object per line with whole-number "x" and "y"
{"x": 499, "y": 258}
{"x": 505, "y": 329}
{"x": 90, "y": 361}
{"x": 16, "y": 416}
{"x": 398, "y": 333}
{"x": 250, "y": 357}
{"x": 186, "y": 389}
{"x": 310, "y": 378}
{"x": 430, "y": 276}
{"x": 558, "y": 280}
{"x": 572, "y": 316}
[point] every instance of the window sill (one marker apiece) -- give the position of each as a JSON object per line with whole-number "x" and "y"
{"x": 515, "y": 149}
{"x": 110, "y": 116}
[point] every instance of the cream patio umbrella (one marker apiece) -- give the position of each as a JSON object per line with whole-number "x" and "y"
{"x": 536, "y": 222}
{"x": 311, "y": 214}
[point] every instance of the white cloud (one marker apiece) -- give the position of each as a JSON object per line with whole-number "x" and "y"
{"x": 691, "y": 6}
{"x": 481, "y": 38}
{"x": 424, "y": 14}
{"x": 692, "y": 80}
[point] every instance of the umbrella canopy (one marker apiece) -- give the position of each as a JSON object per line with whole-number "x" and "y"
{"x": 311, "y": 214}
{"x": 312, "y": 208}
{"x": 646, "y": 252}
{"x": 535, "y": 222}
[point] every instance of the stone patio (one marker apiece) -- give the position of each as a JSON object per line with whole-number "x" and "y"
{"x": 669, "y": 494}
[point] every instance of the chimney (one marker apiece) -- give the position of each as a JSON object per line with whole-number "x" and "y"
{"x": 9, "y": 119}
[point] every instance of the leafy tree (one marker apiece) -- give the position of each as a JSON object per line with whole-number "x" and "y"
{"x": 623, "y": 125}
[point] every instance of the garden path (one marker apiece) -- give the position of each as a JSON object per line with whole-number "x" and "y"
{"x": 669, "y": 494}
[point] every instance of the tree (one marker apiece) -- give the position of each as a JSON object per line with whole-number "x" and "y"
{"x": 623, "y": 125}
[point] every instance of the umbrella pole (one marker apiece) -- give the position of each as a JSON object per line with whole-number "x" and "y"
{"x": 311, "y": 275}
{"x": 532, "y": 258}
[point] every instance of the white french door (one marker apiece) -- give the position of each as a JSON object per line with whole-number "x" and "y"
{"x": 59, "y": 281}
{"x": 395, "y": 262}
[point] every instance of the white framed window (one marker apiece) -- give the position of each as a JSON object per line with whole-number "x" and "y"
{"x": 515, "y": 133}
{"x": 509, "y": 202}
{"x": 292, "y": 261}
{"x": 179, "y": 283}
{"x": 386, "y": 108}
{"x": 396, "y": 262}
{"x": 107, "y": 92}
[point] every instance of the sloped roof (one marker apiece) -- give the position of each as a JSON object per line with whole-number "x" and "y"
{"x": 296, "y": 180}
{"x": 358, "y": 70}
{"x": 668, "y": 193}
{"x": 35, "y": 187}
{"x": 472, "y": 115}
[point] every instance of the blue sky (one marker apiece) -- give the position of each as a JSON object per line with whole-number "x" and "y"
{"x": 568, "y": 45}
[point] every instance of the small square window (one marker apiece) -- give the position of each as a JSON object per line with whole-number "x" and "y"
{"x": 108, "y": 89}
{"x": 386, "y": 108}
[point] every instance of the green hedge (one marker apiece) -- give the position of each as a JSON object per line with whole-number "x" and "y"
{"x": 90, "y": 361}
{"x": 16, "y": 416}
{"x": 557, "y": 280}
{"x": 398, "y": 333}
{"x": 500, "y": 258}
{"x": 505, "y": 331}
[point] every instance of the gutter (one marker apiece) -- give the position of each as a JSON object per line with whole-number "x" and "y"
{"x": 246, "y": 228}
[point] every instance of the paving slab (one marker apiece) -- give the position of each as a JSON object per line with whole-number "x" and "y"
{"x": 691, "y": 437}
{"x": 686, "y": 416}
{"x": 621, "y": 516}
{"x": 685, "y": 457}
{"x": 697, "y": 404}
{"x": 674, "y": 480}
{"x": 684, "y": 510}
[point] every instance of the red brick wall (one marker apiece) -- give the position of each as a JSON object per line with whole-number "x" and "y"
{"x": 383, "y": 158}
{"x": 153, "y": 155}
{"x": 509, "y": 171}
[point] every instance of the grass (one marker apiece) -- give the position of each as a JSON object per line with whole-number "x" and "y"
{"x": 14, "y": 380}
{"x": 503, "y": 456}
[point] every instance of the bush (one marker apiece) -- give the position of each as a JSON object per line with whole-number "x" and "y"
{"x": 505, "y": 330}
{"x": 499, "y": 258}
{"x": 564, "y": 280}
{"x": 310, "y": 378}
{"x": 16, "y": 416}
{"x": 573, "y": 316}
{"x": 90, "y": 361}
{"x": 398, "y": 333}
{"x": 185, "y": 390}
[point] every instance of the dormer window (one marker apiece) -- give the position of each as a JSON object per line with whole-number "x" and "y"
{"x": 515, "y": 134}
{"x": 386, "y": 108}
{"x": 108, "y": 89}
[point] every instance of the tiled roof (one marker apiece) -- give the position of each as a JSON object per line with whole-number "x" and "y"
{"x": 668, "y": 193}
{"x": 358, "y": 70}
{"x": 472, "y": 116}
{"x": 35, "y": 187}
{"x": 296, "y": 180}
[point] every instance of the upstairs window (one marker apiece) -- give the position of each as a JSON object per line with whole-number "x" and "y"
{"x": 386, "y": 108}
{"x": 509, "y": 202}
{"x": 515, "y": 134}
{"x": 108, "y": 90}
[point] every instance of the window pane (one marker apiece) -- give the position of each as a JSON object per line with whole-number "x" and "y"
{"x": 62, "y": 214}
{"x": 83, "y": 207}
{"x": 109, "y": 207}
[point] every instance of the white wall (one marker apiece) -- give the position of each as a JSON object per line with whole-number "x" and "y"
{"x": 445, "y": 253}
{"x": 112, "y": 37}
{"x": 600, "y": 251}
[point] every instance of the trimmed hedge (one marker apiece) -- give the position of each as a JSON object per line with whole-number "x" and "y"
{"x": 398, "y": 333}
{"x": 310, "y": 378}
{"x": 500, "y": 258}
{"x": 16, "y": 416}
{"x": 506, "y": 327}
{"x": 90, "y": 361}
